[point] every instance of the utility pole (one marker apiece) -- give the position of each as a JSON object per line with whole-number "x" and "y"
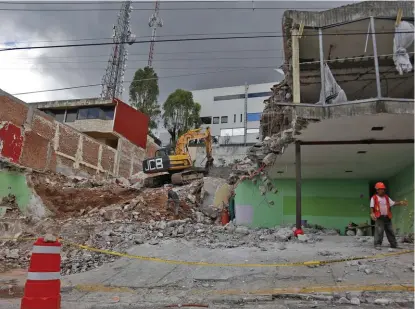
{"x": 154, "y": 22}
{"x": 246, "y": 112}
{"x": 113, "y": 80}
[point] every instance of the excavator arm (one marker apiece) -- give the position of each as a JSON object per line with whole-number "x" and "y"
{"x": 183, "y": 141}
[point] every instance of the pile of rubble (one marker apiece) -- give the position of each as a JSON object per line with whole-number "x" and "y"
{"x": 110, "y": 214}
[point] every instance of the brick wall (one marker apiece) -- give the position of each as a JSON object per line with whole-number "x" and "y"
{"x": 151, "y": 147}
{"x": 31, "y": 138}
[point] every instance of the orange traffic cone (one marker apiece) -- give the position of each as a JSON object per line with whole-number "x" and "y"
{"x": 43, "y": 285}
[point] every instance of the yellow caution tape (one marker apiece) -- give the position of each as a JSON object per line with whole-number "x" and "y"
{"x": 323, "y": 289}
{"x": 177, "y": 262}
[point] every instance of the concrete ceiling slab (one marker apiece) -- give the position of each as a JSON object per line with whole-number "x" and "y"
{"x": 345, "y": 161}
{"x": 395, "y": 126}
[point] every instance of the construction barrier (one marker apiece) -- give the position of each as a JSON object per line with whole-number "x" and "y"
{"x": 42, "y": 288}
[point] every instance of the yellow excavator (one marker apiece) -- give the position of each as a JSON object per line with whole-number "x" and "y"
{"x": 176, "y": 166}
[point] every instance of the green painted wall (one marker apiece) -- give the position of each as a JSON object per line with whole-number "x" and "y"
{"x": 401, "y": 187}
{"x": 330, "y": 203}
{"x": 15, "y": 183}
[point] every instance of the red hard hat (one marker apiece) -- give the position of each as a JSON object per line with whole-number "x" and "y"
{"x": 380, "y": 185}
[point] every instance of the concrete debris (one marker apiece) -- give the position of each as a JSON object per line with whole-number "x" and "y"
{"x": 303, "y": 238}
{"x": 12, "y": 254}
{"x": 344, "y": 300}
{"x": 269, "y": 159}
{"x": 49, "y": 238}
{"x": 355, "y": 301}
{"x": 383, "y": 301}
{"x": 284, "y": 234}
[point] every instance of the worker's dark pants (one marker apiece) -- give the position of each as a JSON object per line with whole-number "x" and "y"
{"x": 383, "y": 223}
{"x": 176, "y": 204}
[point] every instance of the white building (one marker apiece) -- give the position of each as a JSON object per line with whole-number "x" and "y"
{"x": 232, "y": 111}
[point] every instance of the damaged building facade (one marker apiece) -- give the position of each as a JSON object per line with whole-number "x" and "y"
{"x": 341, "y": 120}
{"x": 102, "y": 144}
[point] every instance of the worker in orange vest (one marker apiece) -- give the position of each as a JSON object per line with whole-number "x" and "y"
{"x": 380, "y": 211}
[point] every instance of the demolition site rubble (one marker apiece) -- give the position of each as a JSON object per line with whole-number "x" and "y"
{"x": 113, "y": 215}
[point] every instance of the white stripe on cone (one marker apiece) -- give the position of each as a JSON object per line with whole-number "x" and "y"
{"x": 46, "y": 249}
{"x": 43, "y": 276}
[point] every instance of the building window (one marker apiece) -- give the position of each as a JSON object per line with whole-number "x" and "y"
{"x": 215, "y": 120}
{"x": 107, "y": 113}
{"x": 60, "y": 115}
{"x": 252, "y": 131}
{"x": 234, "y": 118}
{"x": 49, "y": 112}
{"x": 241, "y": 117}
{"x": 229, "y": 97}
{"x": 259, "y": 94}
{"x": 226, "y": 132}
{"x": 242, "y": 96}
{"x": 104, "y": 113}
{"x": 71, "y": 115}
{"x": 253, "y": 116}
{"x": 238, "y": 132}
{"x": 224, "y": 119}
{"x": 93, "y": 113}
{"x": 82, "y": 113}
{"x": 206, "y": 120}
{"x": 232, "y": 132}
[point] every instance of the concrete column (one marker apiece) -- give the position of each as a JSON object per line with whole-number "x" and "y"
{"x": 298, "y": 185}
{"x": 375, "y": 55}
{"x": 246, "y": 112}
{"x": 322, "y": 70}
{"x": 295, "y": 66}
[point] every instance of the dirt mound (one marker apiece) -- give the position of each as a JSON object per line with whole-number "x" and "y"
{"x": 64, "y": 198}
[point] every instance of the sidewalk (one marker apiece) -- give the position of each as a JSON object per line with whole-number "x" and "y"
{"x": 136, "y": 282}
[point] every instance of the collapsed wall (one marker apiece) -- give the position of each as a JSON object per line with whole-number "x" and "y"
{"x": 33, "y": 139}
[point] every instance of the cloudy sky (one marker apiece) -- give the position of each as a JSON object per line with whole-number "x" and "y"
{"x": 183, "y": 65}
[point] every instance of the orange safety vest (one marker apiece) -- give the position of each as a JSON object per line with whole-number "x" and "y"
{"x": 377, "y": 206}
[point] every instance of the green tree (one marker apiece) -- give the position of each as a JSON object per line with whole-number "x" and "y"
{"x": 181, "y": 113}
{"x": 144, "y": 91}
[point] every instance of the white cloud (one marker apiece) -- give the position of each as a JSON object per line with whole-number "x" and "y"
{"x": 21, "y": 70}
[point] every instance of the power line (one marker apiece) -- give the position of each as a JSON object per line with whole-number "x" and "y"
{"x": 163, "y": 53}
{"x": 161, "y": 60}
{"x": 134, "y": 69}
{"x": 133, "y": 81}
{"x": 159, "y": 36}
{"x": 97, "y": 9}
{"x": 191, "y": 74}
{"x": 175, "y": 35}
{"x": 192, "y": 39}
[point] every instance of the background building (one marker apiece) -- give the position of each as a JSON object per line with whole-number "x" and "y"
{"x": 103, "y": 120}
{"x": 233, "y": 113}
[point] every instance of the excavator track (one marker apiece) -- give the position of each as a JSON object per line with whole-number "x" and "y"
{"x": 187, "y": 176}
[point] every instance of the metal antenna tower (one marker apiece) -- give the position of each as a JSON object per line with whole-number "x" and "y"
{"x": 154, "y": 22}
{"x": 112, "y": 81}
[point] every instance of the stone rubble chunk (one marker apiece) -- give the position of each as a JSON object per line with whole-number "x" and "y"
{"x": 284, "y": 234}
{"x": 242, "y": 230}
{"x": 49, "y": 238}
{"x": 344, "y": 300}
{"x": 12, "y": 254}
{"x": 355, "y": 301}
{"x": 383, "y": 301}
